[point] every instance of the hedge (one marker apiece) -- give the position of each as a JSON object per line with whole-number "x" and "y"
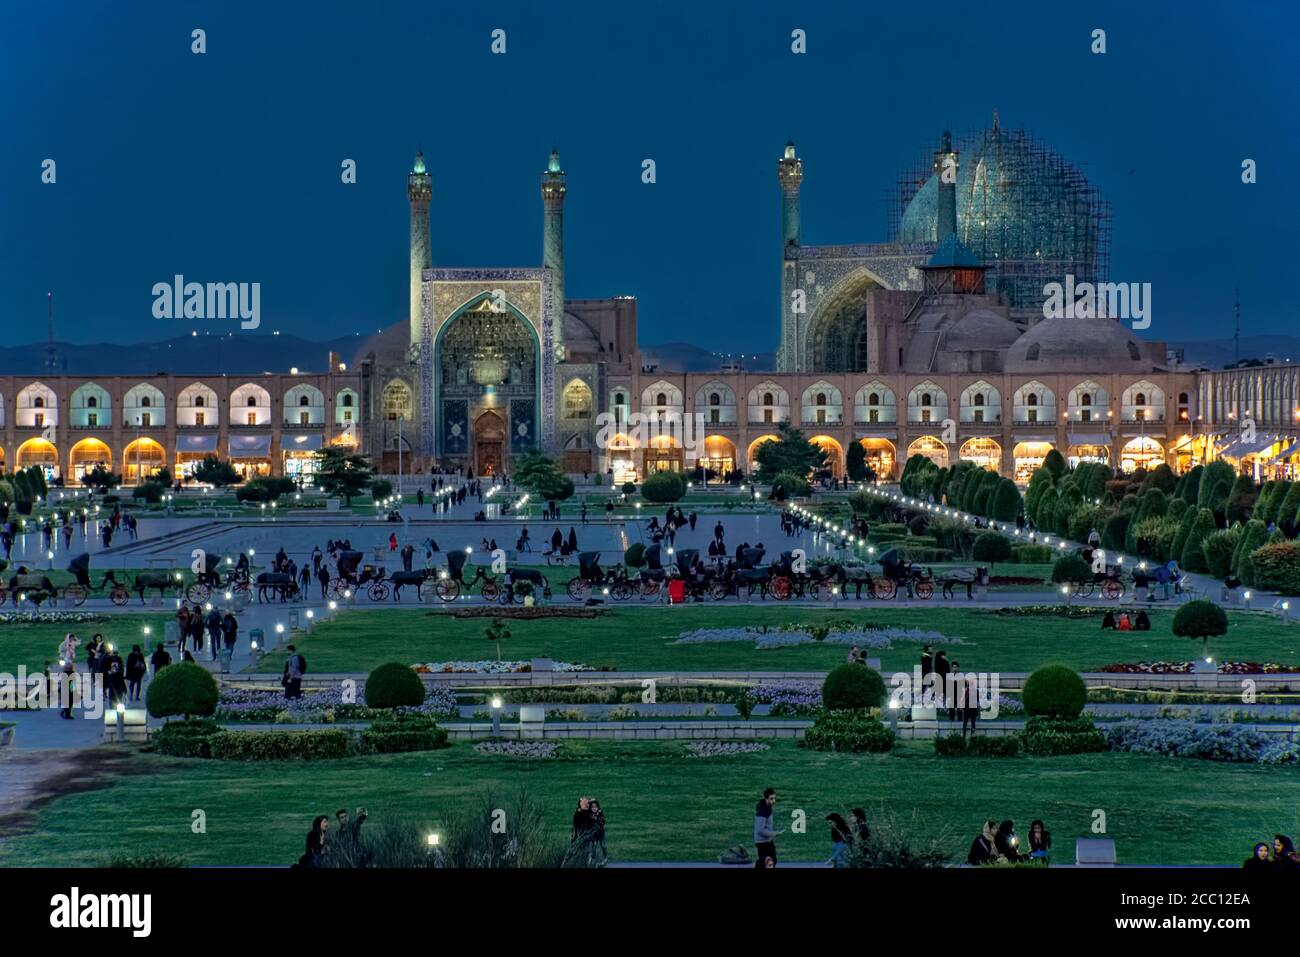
{"x": 954, "y": 744}
{"x": 854, "y": 731}
{"x": 1277, "y": 568}
{"x": 402, "y": 732}
{"x": 1050, "y": 736}
{"x": 280, "y": 745}
{"x": 1055, "y": 691}
{"x": 183, "y": 689}
{"x": 185, "y": 739}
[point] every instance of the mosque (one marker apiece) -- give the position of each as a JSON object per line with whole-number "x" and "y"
{"x": 933, "y": 342}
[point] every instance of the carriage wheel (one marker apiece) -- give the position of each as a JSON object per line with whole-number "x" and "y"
{"x": 119, "y": 595}
{"x": 4, "y": 595}
{"x": 578, "y": 589}
{"x": 198, "y": 592}
{"x": 924, "y": 590}
{"x": 884, "y": 588}
{"x": 378, "y": 591}
{"x": 716, "y": 590}
{"x": 1114, "y": 590}
{"x": 649, "y": 588}
{"x": 780, "y": 588}
{"x": 448, "y": 589}
{"x": 1083, "y": 590}
{"x": 621, "y": 590}
{"x": 491, "y": 591}
{"x": 73, "y": 593}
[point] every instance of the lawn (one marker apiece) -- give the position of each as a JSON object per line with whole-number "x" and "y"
{"x": 662, "y": 805}
{"x": 632, "y": 638}
{"x": 34, "y": 645}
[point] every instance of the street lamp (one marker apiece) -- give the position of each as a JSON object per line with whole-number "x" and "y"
{"x": 496, "y": 716}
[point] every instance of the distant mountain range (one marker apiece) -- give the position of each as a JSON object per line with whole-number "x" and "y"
{"x": 250, "y": 354}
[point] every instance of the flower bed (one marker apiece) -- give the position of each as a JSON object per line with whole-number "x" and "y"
{"x": 876, "y": 639}
{"x": 324, "y": 706}
{"x": 51, "y": 617}
{"x": 1052, "y": 611}
{"x": 789, "y": 697}
{"x": 1014, "y": 580}
{"x": 1183, "y": 739}
{"x": 532, "y": 750}
{"x": 490, "y": 666}
{"x": 1185, "y": 667}
{"x": 722, "y": 749}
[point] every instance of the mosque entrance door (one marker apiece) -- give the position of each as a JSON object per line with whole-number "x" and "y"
{"x": 489, "y": 444}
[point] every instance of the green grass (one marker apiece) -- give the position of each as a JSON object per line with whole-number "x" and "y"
{"x": 661, "y": 805}
{"x": 633, "y": 638}
{"x": 34, "y": 645}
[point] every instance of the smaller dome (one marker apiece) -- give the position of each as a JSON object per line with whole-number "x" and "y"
{"x": 1077, "y": 345}
{"x": 982, "y": 330}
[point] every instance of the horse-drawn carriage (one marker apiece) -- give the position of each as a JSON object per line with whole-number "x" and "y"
{"x": 27, "y": 585}
{"x": 209, "y": 579}
{"x": 592, "y": 578}
{"x": 819, "y": 581}
{"x": 82, "y": 587}
{"x": 699, "y": 580}
{"x": 451, "y": 581}
{"x": 897, "y": 572}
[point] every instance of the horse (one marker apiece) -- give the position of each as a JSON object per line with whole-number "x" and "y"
{"x": 416, "y": 577}
{"x": 281, "y": 583}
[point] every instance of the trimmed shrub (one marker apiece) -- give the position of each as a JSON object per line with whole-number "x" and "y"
{"x": 985, "y": 746}
{"x": 634, "y": 557}
{"x": 1190, "y": 487}
{"x": 1055, "y": 463}
{"x": 1241, "y": 500}
{"x": 399, "y": 732}
{"x": 1112, "y": 536}
{"x": 280, "y": 745}
{"x": 1176, "y": 509}
{"x": 183, "y": 689}
{"x": 664, "y": 487}
{"x": 1193, "y": 558}
{"x": 850, "y": 687}
{"x": 1286, "y": 512}
{"x": 1184, "y": 530}
{"x": 853, "y": 731}
{"x": 991, "y": 547}
{"x": 1033, "y": 554}
{"x": 1218, "y": 548}
{"x": 1255, "y": 535}
{"x": 1071, "y": 569}
{"x": 1162, "y": 478}
{"x": 950, "y": 745}
{"x": 1209, "y": 495}
{"x": 185, "y": 739}
{"x": 1272, "y": 509}
{"x": 1201, "y": 619}
{"x": 149, "y": 492}
{"x": 1277, "y": 567}
{"x": 1045, "y": 737}
{"x": 394, "y": 685}
{"x": 270, "y": 488}
{"x": 1054, "y": 691}
{"x": 1006, "y": 503}
{"x": 1159, "y": 534}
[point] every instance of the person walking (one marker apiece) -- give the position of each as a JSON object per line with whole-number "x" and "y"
{"x": 408, "y": 556}
{"x": 323, "y": 576}
{"x": 229, "y": 633}
{"x": 764, "y": 831}
{"x": 213, "y": 622}
{"x": 160, "y": 658}
{"x": 316, "y": 559}
{"x": 182, "y": 624}
{"x": 114, "y": 679}
{"x": 295, "y": 666}
{"x": 941, "y": 669}
{"x": 68, "y": 665}
{"x": 841, "y": 840}
{"x": 136, "y": 669}
{"x": 392, "y": 542}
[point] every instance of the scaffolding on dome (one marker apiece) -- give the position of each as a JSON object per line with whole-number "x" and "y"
{"x": 1028, "y": 212}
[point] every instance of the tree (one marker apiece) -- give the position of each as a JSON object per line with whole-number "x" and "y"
{"x": 992, "y": 547}
{"x": 855, "y": 463}
{"x": 1191, "y": 485}
{"x": 1208, "y": 495}
{"x": 101, "y": 479}
{"x": 541, "y": 475}
{"x": 1054, "y": 462}
{"x": 1193, "y": 558}
{"x": 215, "y": 472}
{"x": 1286, "y": 512}
{"x": 340, "y": 472}
{"x": 1200, "y": 619}
{"x": 1054, "y": 691}
{"x": 1071, "y": 569}
{"x": 663, "y": 487}
{"x": 1254, "y": 536}
{"x": 1162, "y": 478}
{"x": 1241, "y": 500}
{"x": 790, "y": 451}
{"x": 184, "y": 689}
{"x": 497, "y": 632}
{"x": 1006, "y": 502}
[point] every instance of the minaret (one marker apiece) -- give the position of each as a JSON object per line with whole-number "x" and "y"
{"x": 945, "y": 161}
{"x": 789, "y": 173}
{"x": 553, "y": 190}
{"x": 51, "y": 354}
{"x": 419, "y": 190}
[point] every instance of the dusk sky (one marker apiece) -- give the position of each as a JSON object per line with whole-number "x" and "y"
{"x": 225, "y": 167}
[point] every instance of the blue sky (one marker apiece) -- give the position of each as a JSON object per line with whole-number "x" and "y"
{"x": 225, "y": 167}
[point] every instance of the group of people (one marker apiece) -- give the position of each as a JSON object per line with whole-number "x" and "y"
{"x": 1125, "y": 622}
{"x": 961, "y": 703}
{"x": 999, "y": 842}
{"x": 589, "y": 824}
{"x": 1284, "y": 856}
{"x": 193, "y": 622}
{"x": 844, "y": 835}
{"x": 123, "y": 679}
{"x": 561, "y": 547}
{"x": 317, "y": 844}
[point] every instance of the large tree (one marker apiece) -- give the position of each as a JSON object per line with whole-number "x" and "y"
{"x": 541, "y": 475}
{"x": 789, "y": 452}
{"x": 215, "y": 472}
{"x": 340, "y": 472}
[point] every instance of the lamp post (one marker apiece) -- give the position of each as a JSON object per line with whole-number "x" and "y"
{"x": 496, "y": 716}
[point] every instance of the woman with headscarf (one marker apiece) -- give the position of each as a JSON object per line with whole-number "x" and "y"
{"x": 982, "y": 848}
{"x": 1284, "y": 856}
{"x": 1258, "y": 860}
{"x": 1040, "y": 840}
{"x": 1006, "y": 843}
{"x": 841, "y": 840}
